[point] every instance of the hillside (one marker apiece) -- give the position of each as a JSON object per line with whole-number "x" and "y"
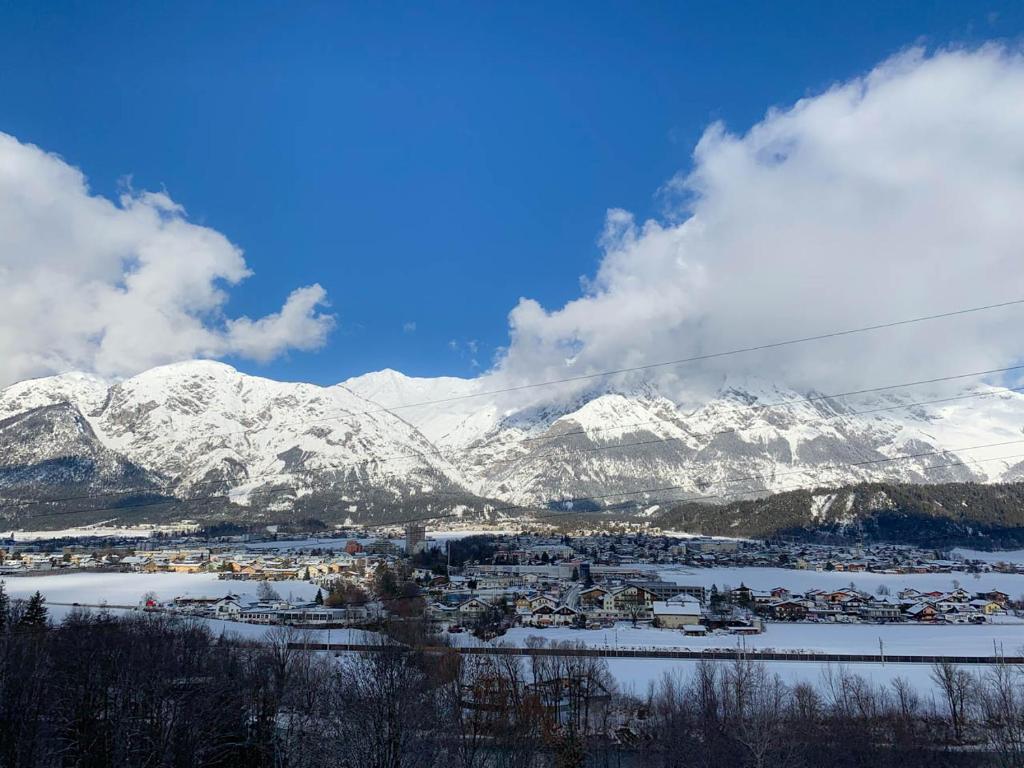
{"x": 968, "y": 514}
{"x": 387, "y": 446}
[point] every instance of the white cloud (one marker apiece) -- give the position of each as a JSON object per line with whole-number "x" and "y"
{"x": 897, "y": 194}
{"x": 115, "y": 288}
{"x": 409, "y": 327}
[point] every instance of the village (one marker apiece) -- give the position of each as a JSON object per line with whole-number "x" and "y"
{"x": 489, "y": 583}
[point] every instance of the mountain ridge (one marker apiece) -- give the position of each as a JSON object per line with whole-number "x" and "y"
{"x": 369, "y": 447}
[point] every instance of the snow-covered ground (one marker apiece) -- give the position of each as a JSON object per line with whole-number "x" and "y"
{"x": 801, "y": 581}
{"x": 259, "y": 632}
{"x": 897, "y": 639}
{"x": 1007, "y": 556}
{"x": 128, "y": 588}
{"x": 83, "y": 532}
{"x": 304, "y": 545}
{"x": 637, "y": 675}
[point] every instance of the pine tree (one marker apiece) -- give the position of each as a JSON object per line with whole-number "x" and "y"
{"x": 570, "y": 753}
{"x": 5, "y": 607}
{"x": 35, "y": 615}
{"x": 319, "y": 599}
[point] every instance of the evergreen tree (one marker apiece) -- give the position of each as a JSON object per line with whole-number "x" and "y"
{"x": 319, "y": 599}
{"x": 35, "y": 615}
{"x": 571, "y": 753}
{"x": 385, "y": 583}
{"x": 5, "y": 607}
{"x": 715, "y": 598}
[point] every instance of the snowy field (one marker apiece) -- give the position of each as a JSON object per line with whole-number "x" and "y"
{"x": 1008, "y": 556}
{"x": 128, "y": 588}
{"x": 635, "y": 676}
{"x": 897, "y": 639}
{"x": 88, "y": 531}
{"x": 801, "y": 581}
{"x": 304, "y": 545}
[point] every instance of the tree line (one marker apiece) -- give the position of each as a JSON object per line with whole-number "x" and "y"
{"x": 101, "y": 690}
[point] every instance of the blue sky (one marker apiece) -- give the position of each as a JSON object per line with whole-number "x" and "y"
{"x": 426, "y": 165}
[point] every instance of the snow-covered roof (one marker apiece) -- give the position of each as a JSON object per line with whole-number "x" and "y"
{"x": 665, "y": 608}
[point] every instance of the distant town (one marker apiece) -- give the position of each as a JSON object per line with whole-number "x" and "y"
{"x": 487, "y": 583}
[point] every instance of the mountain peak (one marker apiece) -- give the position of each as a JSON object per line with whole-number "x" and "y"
{"x": 386, "y": 440}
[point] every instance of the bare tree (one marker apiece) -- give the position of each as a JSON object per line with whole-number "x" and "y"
{"x": 266, "y": 592}
{"x": 1002, "y": 709}
{"x": 383, "y": 713}
{"x": 755, "y": 707}
{"x": 956, "y": 686}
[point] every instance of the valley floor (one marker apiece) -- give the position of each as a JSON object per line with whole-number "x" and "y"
{"x": 801, "y": 581}
{"x": 126, "y": 589}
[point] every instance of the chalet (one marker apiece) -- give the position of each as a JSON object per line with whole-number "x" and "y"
{"x": 675, "y": 614}
{"x": 191, "y": 566}
{"x": 563, "y": 616}
{"x": 788, "y": 610}
{"x": 921, "y": 612}
{"x": 987, "y": 607}
{"x": 541, "y": 601}
{"x": 228, "y": 607}
{"x": 880, "y": 610}
{"x": 134, "y": 562}
{"x": 470, "y": 611}
{"x": 997, "y": 597}
{"x": 595, "y": 598}
{"x": 741, "y": 594}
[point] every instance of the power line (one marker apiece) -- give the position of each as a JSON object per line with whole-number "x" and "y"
{"x": 679, "y": 361}
{"x": 653, "y": 366}
{"x": 714, "y": 355}
{"x": 816, "y": 398}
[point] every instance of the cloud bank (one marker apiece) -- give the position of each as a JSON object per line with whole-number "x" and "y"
{"x": 117, "y": 287}
{"x": 893, "y": 195}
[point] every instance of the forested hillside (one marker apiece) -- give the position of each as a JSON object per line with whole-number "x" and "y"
{"x": 945, "y": 514}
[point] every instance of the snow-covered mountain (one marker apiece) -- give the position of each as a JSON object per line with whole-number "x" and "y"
{"x": 385, "y": 443}
{"x": 752, "y": 437}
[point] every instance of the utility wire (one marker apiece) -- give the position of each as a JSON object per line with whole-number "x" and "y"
{"x": 654, "y": 366}
{"x": 713, "y": 355}
{"x": 681, "y": 361}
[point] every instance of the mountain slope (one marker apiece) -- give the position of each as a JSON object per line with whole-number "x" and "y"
{"x": 385, "y": 445}
{"x": 51, "y": 452}
{"x": 941, "y": 515}
{"x": 208, "y": 429}
{"x": 752, "y": 437}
